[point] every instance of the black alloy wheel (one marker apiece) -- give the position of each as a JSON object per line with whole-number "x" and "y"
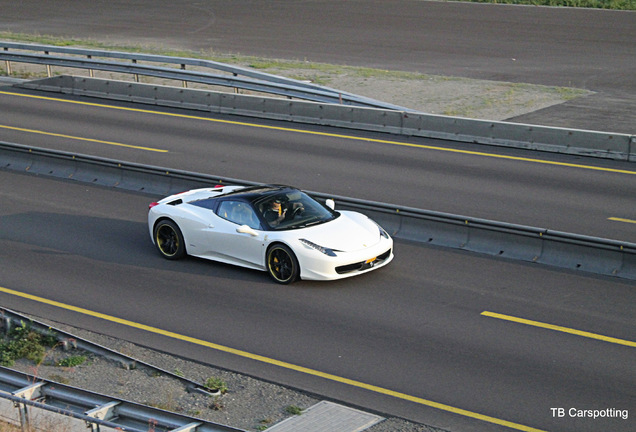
{"x": 169, "y": 240}
{"x": 282, "y": 264}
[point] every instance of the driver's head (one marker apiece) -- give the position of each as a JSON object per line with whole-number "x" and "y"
{"x": 276, "y": 205}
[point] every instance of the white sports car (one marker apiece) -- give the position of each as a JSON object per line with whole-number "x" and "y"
{"x": 278, "y": 229}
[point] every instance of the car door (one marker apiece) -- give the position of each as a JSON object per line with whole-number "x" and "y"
{"x": 232, "y": 246}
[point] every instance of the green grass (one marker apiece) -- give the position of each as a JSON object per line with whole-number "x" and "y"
{"x": 595, "y": 4}
{"x": 216, "y": 384}
{"x": 24, "y": 342}
{"x": 294, "y": 410}
{"x": 72, "y": 361}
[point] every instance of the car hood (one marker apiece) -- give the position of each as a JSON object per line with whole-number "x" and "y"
{"x": 349, "y": 232}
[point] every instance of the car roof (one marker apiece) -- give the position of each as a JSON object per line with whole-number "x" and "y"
{"x": 256, "y": 193}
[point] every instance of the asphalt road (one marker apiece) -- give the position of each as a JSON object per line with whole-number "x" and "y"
{"x": 415, "y": 327}
{"x": 579, "y": 195}
{"x": 420, "y": 333}
{"x": 585, "y": 48}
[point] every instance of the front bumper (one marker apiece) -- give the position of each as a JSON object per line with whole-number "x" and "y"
{"x": 315, "y": 265}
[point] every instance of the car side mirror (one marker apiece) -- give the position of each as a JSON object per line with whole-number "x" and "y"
{"x": 244, "y": 229}
{"x": 331, "y": 204}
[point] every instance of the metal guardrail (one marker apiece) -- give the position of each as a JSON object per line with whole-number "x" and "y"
{"x": 531, "y": 244}
{"x": 343, "y": 109}
{"x": 10, "y": 319}
{"x": 93, "y": 409}
{"x": 90, "y": 409}
{"x": 234, "y": 76}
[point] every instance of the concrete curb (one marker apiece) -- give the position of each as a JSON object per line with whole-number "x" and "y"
{"x": 532, "y": 137}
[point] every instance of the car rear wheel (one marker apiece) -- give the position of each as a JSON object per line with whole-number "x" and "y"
{"x": 282, "y": 264}
{"x": 169, "y": 240}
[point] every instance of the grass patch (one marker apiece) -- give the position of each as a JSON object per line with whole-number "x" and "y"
{"x": 24, "y": 342}
{"x": 215, "y": 384}
{"x": 593, "y": 4}
{"x": 294, "y": 410}
{"x": 72, "y": 361}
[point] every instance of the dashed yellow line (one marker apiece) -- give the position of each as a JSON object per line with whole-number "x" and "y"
{"x": 275, "y": 362}
{"x": 617, "y": 219}
{"x": 326, "y": 134}
{"x": 57, "y": 135}
{"x": 559, "y": 328}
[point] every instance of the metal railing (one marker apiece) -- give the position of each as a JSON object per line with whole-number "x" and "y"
{"x": 86, "y": 409}
{"x": 524, "y": 243}
{"x": 128, "y": 63}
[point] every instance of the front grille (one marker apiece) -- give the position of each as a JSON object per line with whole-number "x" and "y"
{"x": 362, "y": 265}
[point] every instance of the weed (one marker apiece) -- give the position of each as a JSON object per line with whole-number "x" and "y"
{"x": 169, "y": 403}
{"x": 72, "y": 361}
{"x": 264, "y": 424}
{"x": 59, "y": 378}
{"x": 294, "y": 410}
{"x": 217, "y": 404}
{"x": 24, "y": 342}
{"x": 216, "y": 384}
{"x": 597, "y": 4}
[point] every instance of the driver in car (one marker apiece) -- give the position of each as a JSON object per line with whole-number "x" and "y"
{"x": 275, "y": 214}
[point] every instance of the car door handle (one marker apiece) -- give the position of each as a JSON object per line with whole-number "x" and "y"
{"x": 244, "y": 229}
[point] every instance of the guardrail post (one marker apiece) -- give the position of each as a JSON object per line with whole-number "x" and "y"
{"x": 31, "y": 392}
{"x": 135, "y": 75}
{"x": 24, "y": 416}
{"x": 91, "y": 72}
{"x": 184, "y": 83}
{"x": 104, "y": 412}
{"x": 48, "y": 66}
{"x": 8, "y": 63}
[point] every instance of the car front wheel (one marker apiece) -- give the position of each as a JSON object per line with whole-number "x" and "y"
{"x": 282, "y": 264}
{"x": 169, "y": 240}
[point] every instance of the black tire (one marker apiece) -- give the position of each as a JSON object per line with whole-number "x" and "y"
{"x": 169, "y": 240}
{"x": 282, "y": 264}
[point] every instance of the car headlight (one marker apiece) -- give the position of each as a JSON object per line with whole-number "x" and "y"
{"x": 383, "y": 233}
{"x": 326, "y": 251}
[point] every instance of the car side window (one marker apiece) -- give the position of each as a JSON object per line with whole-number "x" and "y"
{"x": 240, "y": 213}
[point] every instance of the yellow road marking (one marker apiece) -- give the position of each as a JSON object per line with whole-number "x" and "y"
{"x": 616, "y": 219}
{"x": 271, "y": 361}
{"x": 559, "y": 328}
{"x": 82, "y": 139}
{"x": 326, "y": 134}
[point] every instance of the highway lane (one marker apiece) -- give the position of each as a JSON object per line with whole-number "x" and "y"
{"x": 552, "y": 46}
{"x": 415, "y": 327}
{"x": 555, "y": 46}
{"x": 566, "y": 193}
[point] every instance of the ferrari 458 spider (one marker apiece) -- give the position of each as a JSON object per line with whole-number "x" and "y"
{"x": 278, "y": 229}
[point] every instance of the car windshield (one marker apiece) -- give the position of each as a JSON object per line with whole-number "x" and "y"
{"x": 292, "y": 209}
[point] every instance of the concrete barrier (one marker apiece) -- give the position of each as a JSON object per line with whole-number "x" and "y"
{"x": 544, "y": 138}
